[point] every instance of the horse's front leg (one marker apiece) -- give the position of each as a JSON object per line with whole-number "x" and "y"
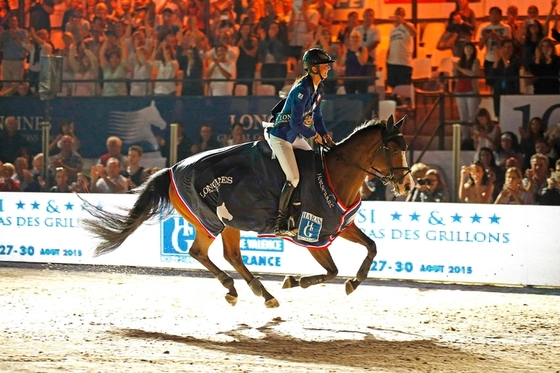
{"x": 324, "y": 258}
{"x": 354, "y": 234}
{"x": 232, "y": 253}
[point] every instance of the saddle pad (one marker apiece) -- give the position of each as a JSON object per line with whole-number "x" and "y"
{"x": 239, "y": 186}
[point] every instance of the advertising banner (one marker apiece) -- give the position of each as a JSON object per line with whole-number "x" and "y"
{"x": 440, "y": 242}
{"x": 516, "y": 111}
{"x": 138, "y": 120}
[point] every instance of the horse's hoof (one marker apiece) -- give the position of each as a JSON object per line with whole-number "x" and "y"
{"x": 350, "y": 286}
{"x": 272, "y": 303}
{"x": 289, "y": 282}
{"x": 231, "y": 299}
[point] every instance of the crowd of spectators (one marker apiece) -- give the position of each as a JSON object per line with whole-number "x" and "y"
{"x": 191, "y": 47}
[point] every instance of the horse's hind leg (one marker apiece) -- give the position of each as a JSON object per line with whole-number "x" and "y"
{"x": 231, "y": 238}
{"x": 200, "y": 246}
{"x": 324, "y": 258}
{"x": 354, "y": 234}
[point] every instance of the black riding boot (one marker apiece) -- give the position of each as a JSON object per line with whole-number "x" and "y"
{"x": 281, "y": 228}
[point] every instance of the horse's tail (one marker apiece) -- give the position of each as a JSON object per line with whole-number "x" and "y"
{"x": 113, "y": 228}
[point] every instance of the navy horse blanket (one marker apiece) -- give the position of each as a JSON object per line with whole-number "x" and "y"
{"x": 239, "y": 186}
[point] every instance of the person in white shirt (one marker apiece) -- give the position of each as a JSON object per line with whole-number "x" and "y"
{"x": 108, "y": 179}
{"x": 37, "y": 46}
{"x": 164, "y": 60}
{"x": 141, "y": 70}
{"x": 399, "y": 56}
{"x": 491, "y": 37}
{"x": 221, "y": 68}
{"x": 85, "y": 66}
{"x": 301, "y": 28}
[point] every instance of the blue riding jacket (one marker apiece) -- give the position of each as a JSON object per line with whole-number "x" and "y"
{"x": 302, "y": 102}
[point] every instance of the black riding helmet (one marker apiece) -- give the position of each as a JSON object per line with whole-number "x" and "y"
{"x": 315, "y": 56}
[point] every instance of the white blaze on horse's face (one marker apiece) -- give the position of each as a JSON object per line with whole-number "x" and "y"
{"x": 402, "y": 181}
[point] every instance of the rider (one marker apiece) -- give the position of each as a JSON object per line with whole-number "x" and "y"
{"x": 293, "y": 124}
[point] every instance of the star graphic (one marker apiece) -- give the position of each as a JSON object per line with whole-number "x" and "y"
{"x": 69, "y": 206}
{"x": 20, "y": 205}
{"x": 495, "y": 219}
{"x": 456, "y": 218}
{"x": 35, "y": 205}
{"x": 475, "y": 218}
{"x": 414, "y": 216}
{"x": 396, "y": 216}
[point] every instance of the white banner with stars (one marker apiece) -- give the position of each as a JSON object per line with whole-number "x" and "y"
{"x": 440, "y": 242}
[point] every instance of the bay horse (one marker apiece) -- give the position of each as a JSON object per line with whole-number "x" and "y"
{"x": 376, "y": 148}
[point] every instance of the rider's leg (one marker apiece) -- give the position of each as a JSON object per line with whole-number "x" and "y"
{"x": 285, "y": 154}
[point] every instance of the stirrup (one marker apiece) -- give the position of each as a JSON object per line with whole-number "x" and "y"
{"x": 284, "y": 225}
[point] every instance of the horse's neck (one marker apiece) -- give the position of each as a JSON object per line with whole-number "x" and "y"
{"x": 347, "y": 170}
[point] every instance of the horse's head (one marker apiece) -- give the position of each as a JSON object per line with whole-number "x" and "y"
{"x": 152, "y": 116}
{"x": 394, "y": 168}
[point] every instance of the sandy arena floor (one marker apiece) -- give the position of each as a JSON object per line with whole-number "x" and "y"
{"x": 60, "y": 320}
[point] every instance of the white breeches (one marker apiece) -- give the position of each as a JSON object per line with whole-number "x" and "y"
{"x": 284, "y": 151}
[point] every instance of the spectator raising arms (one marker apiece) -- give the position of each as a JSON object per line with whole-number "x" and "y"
{"x": 163, "y": 59}
{"x": 142, "y": 70}
{"x": 84, "y": 67}
{"x": 399, "y": 56}
{"x": 114, "y": 69}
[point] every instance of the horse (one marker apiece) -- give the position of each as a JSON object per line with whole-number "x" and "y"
{"x": 376, "y": 147}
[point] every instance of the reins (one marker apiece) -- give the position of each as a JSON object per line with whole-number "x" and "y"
{"x": 390, "y": 178}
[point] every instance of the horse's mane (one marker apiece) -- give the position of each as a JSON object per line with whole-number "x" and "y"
{"x": 366, "y": 126}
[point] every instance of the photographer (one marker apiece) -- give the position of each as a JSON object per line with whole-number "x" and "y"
{"x": 429, "y": 189}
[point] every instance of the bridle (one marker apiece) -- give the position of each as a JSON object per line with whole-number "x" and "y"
{"x": 386, "y": 151}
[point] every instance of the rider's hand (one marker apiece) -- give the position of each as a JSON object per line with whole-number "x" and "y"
{"x": 328, "y": 140}
{"x": 318, "y": 139}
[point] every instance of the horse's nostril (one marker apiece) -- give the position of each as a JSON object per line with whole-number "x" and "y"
{"x": 407, "y": 188}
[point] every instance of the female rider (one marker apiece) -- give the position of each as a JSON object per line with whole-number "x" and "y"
{"x": 293, "y": 124}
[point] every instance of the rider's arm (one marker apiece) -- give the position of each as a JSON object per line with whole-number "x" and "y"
{"x": 297, "y": 98}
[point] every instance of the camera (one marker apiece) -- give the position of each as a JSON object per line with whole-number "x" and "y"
{"x": 423, "y": 181}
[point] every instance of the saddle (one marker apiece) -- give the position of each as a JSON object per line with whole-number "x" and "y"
{"x": 239, "y": 186}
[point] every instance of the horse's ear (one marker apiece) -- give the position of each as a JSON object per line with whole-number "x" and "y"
{"x": 390, "y": 124}
{"x": 400, "y": 122}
